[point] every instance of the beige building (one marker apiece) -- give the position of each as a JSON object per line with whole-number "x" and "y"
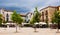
{"x": 47, "y": 13}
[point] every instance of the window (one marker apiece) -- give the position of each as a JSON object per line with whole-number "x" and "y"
{"x": 46, "y": 12}
{"x": 57, "y": 8}
{"x": 3, "y": 12}
{"x": 46, "y": 16}
{"x": 43, "y": 16}
{"x": 7, "y": 17}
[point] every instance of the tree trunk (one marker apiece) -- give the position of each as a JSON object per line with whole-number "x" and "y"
{"x": 16, "y": 28}
{"x": 34, "y": 28}
{"x": 58, "y": 27}
{"x": 19, "y": 26}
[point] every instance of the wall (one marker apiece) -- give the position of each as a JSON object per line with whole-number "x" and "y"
{"x": 50, "y": 11}
{"x": 4, "y": 13}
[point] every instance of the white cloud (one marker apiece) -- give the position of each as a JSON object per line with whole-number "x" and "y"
{"x": 30, "y": 4}
{"x": 52, "y": 2}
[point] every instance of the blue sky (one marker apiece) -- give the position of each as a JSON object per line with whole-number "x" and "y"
{"x": 24, "y": 6}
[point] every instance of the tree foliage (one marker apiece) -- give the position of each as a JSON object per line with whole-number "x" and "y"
{"x": 0, "y": 19}
{"x": 36, "y": 16}
{"x": 56, "y": 17}
{"x": 16, "y": 18}
{"x": 20, "y": 19}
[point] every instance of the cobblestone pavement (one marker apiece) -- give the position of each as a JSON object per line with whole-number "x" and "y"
{"x": 28, "y": 31}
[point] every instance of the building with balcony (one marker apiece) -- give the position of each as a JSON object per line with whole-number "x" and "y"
{"x": 47, "y": 13}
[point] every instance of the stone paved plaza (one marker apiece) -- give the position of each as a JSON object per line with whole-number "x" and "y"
{"x": 28, "y": 31}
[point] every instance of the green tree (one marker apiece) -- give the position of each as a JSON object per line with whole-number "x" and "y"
{"x": 37, "y": 15}
{"x": 16, "y": 18}
{"x": 35, "y": 18}
{"x": 0, "y": 19}
{"x": 20, "y": 20}
{"x": 57, "y": 18}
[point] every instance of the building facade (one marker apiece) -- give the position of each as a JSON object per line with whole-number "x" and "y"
{"x": 23, "y": 17}
{"x": 47, "y": 13}
{"x": 28, "y": 17}
{"x": 6, "y": 14}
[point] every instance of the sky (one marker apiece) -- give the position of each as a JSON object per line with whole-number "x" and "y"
{"x": 24, "y": 6}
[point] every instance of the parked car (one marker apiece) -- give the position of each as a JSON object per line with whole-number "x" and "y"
{"x": 26, "y": 25}
{"x": 53, "y": 26}
{"x": 43, "y": 25}
{"x": 11, "y": 25}
{"x": 40, "y": 25}
{"x": 3, "y": 25}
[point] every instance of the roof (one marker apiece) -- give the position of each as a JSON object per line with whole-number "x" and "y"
{"x": 50, "y": 6}
{"x": 28, "y": 13}
{"x": 22, "y": 15}
{"x": 6, "y": 10}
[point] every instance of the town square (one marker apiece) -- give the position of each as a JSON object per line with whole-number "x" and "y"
{"x": 28, "y": 31}
{"x": 29, "y": 17}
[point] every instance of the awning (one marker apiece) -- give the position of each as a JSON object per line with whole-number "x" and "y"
{"x": 42, "y": 23}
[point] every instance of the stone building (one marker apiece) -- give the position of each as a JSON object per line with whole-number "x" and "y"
{"x": 47, "y": 13}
